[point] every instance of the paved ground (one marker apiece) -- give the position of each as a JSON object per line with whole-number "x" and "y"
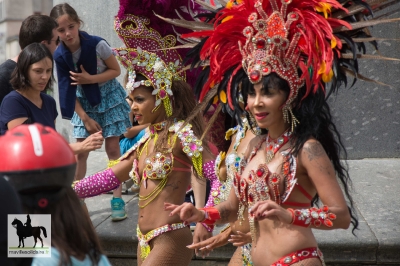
{"x": 376, "y": 185}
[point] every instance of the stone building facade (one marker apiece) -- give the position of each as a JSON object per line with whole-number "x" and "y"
{"x": 12, "y": 13}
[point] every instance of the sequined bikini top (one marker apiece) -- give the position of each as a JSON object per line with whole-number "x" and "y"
{"x": 262, "y": 184}
{"x": 160, "y": 165}
{"x": 232, "y": 159}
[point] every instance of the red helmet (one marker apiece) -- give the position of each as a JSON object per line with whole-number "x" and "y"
{"x": 36, "y": 157}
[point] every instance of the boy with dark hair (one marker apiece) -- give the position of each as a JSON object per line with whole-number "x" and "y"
{"x": 35, "y": 28}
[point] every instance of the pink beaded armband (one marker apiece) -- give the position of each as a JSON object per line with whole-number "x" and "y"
{"x": 96, "y": 184}
{"x": 312, "y": 216}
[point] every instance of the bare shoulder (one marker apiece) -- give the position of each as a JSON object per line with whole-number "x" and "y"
{"x": 312, "y": 150}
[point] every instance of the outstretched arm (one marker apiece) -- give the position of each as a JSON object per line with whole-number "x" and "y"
{"x": 227, "y": 211}
{"x": 105, "y": 180}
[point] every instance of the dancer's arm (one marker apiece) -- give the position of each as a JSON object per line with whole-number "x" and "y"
{"x": 188, "y": 213}
{"x": 105, "y": 180}
{"x": 323, "y": 176}
{"x": 335, "y": 214}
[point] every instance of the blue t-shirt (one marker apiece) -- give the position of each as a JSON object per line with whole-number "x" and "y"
{"x": 54, "y": 260}
{"x": 14, "y": 106}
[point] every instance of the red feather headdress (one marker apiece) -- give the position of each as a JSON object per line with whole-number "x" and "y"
{"x": 306, "y": 42}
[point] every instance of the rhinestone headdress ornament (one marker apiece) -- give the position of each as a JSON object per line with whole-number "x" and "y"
{"x": 312, "y": 44}
{"x": 149, "y": 54}
{"x": 269, "y": 49}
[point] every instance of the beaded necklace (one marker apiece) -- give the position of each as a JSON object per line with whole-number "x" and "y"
{"x": 273, "y": 145}
{"x": 153, "y": 129}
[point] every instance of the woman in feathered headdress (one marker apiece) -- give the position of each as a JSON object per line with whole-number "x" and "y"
{"x": 284, "y": 56}
{"x": 162, "y": 161}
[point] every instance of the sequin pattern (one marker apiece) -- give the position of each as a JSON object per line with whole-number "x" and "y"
{"x": 96, "y": 184}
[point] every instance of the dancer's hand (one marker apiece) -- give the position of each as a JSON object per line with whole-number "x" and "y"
{"x": 269, "y": 209}
{"x": 214, "y": 242}
{"x": 93, "y": 142}
{"x": 240, "y": 239}
{"x": 186, "y": 212}
{"x": 91, "y": 125}
{"x": 81, "y": 78}
{"x": 201, "y": 234}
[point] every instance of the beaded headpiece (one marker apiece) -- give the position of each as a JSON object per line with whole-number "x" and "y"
{"x": 312, "y": 44}
{"x": 148, "y": 48}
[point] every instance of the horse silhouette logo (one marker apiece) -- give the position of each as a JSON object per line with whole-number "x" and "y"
{"x": 24, "y": 231}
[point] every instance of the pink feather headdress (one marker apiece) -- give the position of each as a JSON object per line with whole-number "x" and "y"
{"x": 148, "y": 43}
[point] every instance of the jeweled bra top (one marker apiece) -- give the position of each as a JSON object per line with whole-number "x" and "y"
{"x": 232, "y": 160}
{"x": 262, "y": 184}
{"x": 160, "y": 165}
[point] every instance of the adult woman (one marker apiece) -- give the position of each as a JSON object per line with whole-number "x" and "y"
{"x": 161, "y": 162}
{"x": 290, "y": 51}
{"x": 29, "y": 103}
{"x": 226, "y": 167}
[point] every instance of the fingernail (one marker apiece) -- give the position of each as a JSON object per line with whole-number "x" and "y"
{"x": 230, "y": 240}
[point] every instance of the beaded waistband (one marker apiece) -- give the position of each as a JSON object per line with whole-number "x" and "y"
{"x": 300, "y": 255}
{"x": 145, "y": 239}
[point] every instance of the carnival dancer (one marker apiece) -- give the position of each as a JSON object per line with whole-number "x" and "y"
{"x": 291, "y": 53}
{"x": 40, "y": 165}
{"x": 162, "y": 161}
{"x": 86, "y": 70}
{"x": 226, "y": 166}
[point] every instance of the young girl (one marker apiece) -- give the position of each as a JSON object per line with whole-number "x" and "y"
{"x": 136, "y": 132}
{"x": 40, "y": 166}
{"x": 86, "y": 69}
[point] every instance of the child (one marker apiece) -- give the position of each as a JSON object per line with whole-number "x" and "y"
{"x": 86, "y": 69}
{"x": 136, "y": 132}
{"x": 40, "y": 166}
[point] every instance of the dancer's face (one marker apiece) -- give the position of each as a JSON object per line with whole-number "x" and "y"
{"x": 143, "y": 104}
{"x": 266, "y": 105}
{"x": 68, "y": 31}
{"x": 39, "y": 74}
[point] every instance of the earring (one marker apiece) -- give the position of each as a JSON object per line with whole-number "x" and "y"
{"x": 287, "y": 111}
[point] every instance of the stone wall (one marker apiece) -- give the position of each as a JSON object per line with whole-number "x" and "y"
{"x": 367, "y": 115}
